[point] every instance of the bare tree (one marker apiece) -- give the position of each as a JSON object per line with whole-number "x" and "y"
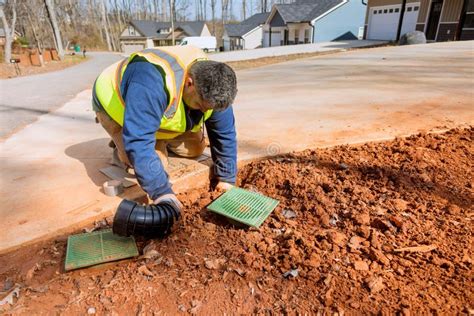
{"x": 54, "y": 24}
{"x": 213, "y": 12}
{"x": 39, "y": 44}
{"x": 244, "y": 9}
{"x": 172, "y": 18}
{"x": 105, "y": 26}
{"x": 9, "y": 28}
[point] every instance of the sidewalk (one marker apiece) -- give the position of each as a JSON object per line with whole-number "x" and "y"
{"x": 50, "y": 170}
{"x": 292, "y": 49}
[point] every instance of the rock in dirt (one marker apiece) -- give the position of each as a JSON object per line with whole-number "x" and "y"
{"x": 195, "y": 306}
{"x": 362, "y": 218}
{"x": 7, "y": 285}
{"x": 412, "y": 38}
{"x": 91, "y": 311}
{"x": 361, "y": 266}
{"x": 150, "y": 254}
{"x": 397, "y": 221}
{"x": 400, "y": 204}
{"x": 289, "y": 214}
{"x": 293, "y": 273}
{"x": 379, "y": 256}
{"x": 355, "y": 242}
{"x": 214, "y": 264}
{"x": 144, "y": 270}
{"x": 375, "y": 284}
{"x": 337, "y": 238}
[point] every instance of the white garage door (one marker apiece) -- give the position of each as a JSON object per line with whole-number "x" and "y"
{"x": 132, "y": 48}
{"x": 383, "y": 21}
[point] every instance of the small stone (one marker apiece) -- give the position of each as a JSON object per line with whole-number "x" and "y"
{"x": 293, "y": 273}
{"x": 91, "y": 311}
{"x": 364, "y": 231}
{"x": 361, "y": 266}
{"x": 288, "y": 213}
{"x": 334, "y": 219}
{"x": 181, "y": 308}
{"x": 151, "y": 254}
{"x": 324, "y": 220}
{"x": 375, "y": 284}
{"x": 355, "y": 242}
{"x": 398, "y": 222}
{"x": 210, "y": 227}
{"x": 214, "y": 264}
{"x": 144, "y": 270}
{"x": 7, "y": 285}
{"x": 379, "y": 256}
{"x": 343, "y": 166}
{"x": 337, "y": 238}
{"x": 362, "y": 219}
{"x": 400, "y": 204}
{"x": 314, "y": 260}
{"x": 195, "y": 306}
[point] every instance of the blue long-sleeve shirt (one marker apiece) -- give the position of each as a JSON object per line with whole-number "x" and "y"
{"x": 143, "y": 91}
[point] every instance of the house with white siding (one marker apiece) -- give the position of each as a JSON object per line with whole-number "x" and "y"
{"x": 139, "y": 34}
{"x": 247, "y": 34}
{"x": 314, "y": 21}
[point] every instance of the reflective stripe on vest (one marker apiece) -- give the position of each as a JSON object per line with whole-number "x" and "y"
{"x": 174, "y": 62}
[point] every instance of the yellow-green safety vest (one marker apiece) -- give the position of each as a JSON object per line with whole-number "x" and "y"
{"x": 175, "y": 62}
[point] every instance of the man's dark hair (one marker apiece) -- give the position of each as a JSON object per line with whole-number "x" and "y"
{"x": 215, "y": 83}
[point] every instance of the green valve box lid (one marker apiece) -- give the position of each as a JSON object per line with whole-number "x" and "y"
{"x": 244, "y": 206}
{"x": 102, "y": 246}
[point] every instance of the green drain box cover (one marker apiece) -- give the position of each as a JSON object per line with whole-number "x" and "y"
{"x": 244, "y": 206}
{"x": 89, "y": 249}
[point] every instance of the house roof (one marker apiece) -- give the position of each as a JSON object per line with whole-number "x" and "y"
{"x": 151, "y": 28}
{"x": 256, "y": 19}
{"x": 305, "y": 10}
{"x": 238, "y": 30}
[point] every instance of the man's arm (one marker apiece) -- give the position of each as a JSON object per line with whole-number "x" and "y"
{"x": 145, "y": 100}
{"x": 221, "y": 131}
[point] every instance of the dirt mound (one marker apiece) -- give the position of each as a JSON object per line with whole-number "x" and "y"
{"x": 375, "y": 228}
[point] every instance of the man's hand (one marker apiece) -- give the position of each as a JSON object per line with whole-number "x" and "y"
{"x": 170, "y": 198}
{"x": 223, "y": 186}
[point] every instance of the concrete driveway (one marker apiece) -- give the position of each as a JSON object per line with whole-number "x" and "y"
{"x": 23, "y": 99}
{"x": 50, "y": 180}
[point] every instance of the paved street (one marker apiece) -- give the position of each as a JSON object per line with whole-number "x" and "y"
{"x": 349, "y": 97}
{"x": 24, "y": 99}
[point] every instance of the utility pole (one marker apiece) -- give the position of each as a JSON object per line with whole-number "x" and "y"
{"x": 400, "y": 21}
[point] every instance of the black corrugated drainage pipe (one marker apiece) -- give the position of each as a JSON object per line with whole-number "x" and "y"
{"x": 151, "y": 221}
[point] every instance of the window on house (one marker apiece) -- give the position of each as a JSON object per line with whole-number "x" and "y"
{"x": 385, "y": 11}
{"x": 306, "y": 36}
{"x": 380, "y": 11}
{"x": 416, "y": 8}
{"x": 131, "y": 30}
{"x": 390, "y": 11}
{"x": 397, "y": 10}
{"x": 469, "y": 21}
{"x": 375, "y": 12}
{"x": 409, "y": 9}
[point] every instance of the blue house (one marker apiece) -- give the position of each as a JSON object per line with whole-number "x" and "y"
{"x": 314, "y": 21}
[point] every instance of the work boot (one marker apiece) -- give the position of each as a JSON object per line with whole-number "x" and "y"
{"x": 116, "y": 160}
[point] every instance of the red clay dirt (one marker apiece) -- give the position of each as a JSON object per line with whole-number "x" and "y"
{"x": 376, "y": 228}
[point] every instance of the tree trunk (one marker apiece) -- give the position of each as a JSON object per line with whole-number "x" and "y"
{"x": 244, "y": 9}
{"x": 104, "y": 26}
{"x": 9, "y": 31}
{"x": 54, "y": 24}
{"x": 172, "y": 8}
{"x": 213, "y": 12}
{"x": 35, "y": 35}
